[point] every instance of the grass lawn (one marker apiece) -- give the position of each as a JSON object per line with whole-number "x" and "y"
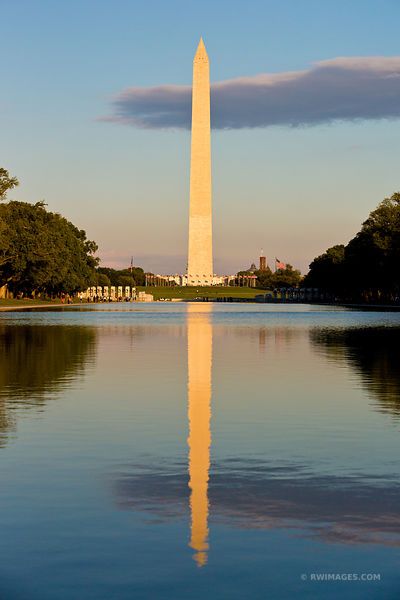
{"x": 188, "y": 293}
{"x": 5, "y": 303}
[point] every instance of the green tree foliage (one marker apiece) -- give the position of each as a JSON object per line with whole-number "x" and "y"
{"x": 102, "y": 279}
{"x": 126, "y": 280}
{"x": 41, "y": 251}
{"x": 265, "y": 279}
{"x": 368, "y": 267}
{"x": 287, "y": 277}
{"x": 6, "y": 183}
{"x": 282, "y": 278}
{"x": 132, "y": 277}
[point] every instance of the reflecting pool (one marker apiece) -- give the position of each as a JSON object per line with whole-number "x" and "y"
{"x": 199, "y": 450}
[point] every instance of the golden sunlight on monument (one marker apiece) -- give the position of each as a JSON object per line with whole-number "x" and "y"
{"x": 200, "y": 259}
{"x": 199, "y": 414}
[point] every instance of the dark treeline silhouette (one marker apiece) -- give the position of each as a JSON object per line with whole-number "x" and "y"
{"x": 367, "y": 269}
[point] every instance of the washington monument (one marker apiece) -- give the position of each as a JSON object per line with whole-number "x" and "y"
{"x": 200, "y": 258}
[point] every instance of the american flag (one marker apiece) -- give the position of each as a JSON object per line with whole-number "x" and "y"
{"x": 279, "y": 264}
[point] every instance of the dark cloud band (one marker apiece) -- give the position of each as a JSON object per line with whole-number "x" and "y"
{"x": 340, "y": 89}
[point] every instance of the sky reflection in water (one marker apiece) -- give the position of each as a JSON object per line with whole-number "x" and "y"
{"x": 191, "y": 427}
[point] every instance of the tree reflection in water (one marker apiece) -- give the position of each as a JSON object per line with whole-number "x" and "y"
{"x": 374, "y": 354}
{"x": 37, "y": 362}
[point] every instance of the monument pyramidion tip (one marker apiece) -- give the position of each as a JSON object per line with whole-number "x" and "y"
{"x": 201, "y": 52}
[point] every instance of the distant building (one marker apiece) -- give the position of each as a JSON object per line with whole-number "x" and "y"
{"x": 181, "y": 280}
{"x": 252, "y": 269}
{"x": 144, "y": 297}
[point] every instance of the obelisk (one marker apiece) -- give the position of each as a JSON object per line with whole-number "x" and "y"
{"x": 200, "y": 260}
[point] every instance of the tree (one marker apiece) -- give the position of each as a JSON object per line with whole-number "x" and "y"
{"x": 287, "y": 277}
{"x": 6, "y": 183}
{"x": 327, "y": 270}
{"x": 132, "y": 276}
{"x": 373, "y": 256}
{"x": 137, "y": 273}
{"x": 102, "y": 279}
{"x": 41, "y": 251}
{"x": 368, "y": 267}
{"x": 282, "y": 278}
{"x": 126, "y": 280}
{"x": 265, "y": 279}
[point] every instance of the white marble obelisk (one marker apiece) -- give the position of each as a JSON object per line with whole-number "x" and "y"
{"x": 200, "y": 259}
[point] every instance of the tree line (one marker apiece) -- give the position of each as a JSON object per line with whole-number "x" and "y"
{"x": 367, "y": 268}
{"x": 287, "y": 277}
{"x": 44, "y": 254}
{"x": 133, "y": 276}
{"x": 282, "y": 278}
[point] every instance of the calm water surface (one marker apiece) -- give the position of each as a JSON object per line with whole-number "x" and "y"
{"x": 191, "y": 451}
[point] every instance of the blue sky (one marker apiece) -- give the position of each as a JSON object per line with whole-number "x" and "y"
{"x": 292, "y": 191}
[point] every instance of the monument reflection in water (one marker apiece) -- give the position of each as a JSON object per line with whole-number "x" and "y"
{"x": 268, "y": 484}
{"x": 199, "y": 340}
{"x": 107, "y": 486}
